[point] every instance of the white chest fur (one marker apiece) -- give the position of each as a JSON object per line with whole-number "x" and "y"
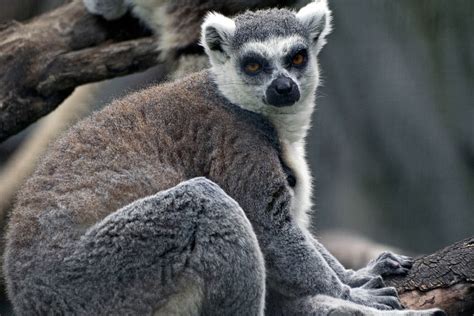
{"x": 294, "y": 158}
{"x": 292, "y": 129}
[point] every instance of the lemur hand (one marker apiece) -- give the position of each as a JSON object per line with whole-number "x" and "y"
{"x": 375, "y": 294}
{"x": 387, "y": 263}
{"x": 108, "y": 9}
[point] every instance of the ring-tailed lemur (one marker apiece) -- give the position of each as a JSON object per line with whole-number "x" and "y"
{"x": 190, "y": 197}
{"x": 178, "y": 24}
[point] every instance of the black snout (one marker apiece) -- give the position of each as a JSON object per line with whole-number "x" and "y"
{"x": 283, "y": 91}
{"x": 283, "y": 85}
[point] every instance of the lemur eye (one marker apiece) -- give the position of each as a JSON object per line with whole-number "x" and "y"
{"x": 252, "y": 68}
{"x": 299, "y": 59}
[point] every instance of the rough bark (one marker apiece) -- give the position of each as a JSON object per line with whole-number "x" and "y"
{"x": 42, "y": 61}
{"x": 444, "y": 279}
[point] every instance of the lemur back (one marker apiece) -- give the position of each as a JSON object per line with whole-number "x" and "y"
{"x": 79, "y": 220}
{"x": 138, "y": 146}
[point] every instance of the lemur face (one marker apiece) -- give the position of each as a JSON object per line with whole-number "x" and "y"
{"x": 266, "y": 61}
{"x": 276, "y": 72}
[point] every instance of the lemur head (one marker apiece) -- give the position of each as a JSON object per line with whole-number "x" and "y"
{"x": 265, "y": 61}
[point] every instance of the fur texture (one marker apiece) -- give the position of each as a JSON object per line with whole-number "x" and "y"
{"x": 118, "y": 219}
{"x": 66, "y": 235}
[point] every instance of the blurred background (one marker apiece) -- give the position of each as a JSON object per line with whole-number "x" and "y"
{"x": 392, "y": 144}
{"x": 392, "y": 148}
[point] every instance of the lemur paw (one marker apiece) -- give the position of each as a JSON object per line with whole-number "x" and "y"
{"x": 384, "y": 298}
{"x": 388, "y": 263}
{"x": 108, "y": 9}
{"x": 359, "y": 279}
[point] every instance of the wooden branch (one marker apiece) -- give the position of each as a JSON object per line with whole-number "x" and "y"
{"x": 444, "y": 279}
{"x": 42, "y": 61}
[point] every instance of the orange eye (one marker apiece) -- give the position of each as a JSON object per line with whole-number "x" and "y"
{"x": 298, "y": 59}
{"x": 252, "y": 67}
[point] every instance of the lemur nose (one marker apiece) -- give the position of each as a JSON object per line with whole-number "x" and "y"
{"x": 283, "y": 85}
{"x": 283, "y": 91}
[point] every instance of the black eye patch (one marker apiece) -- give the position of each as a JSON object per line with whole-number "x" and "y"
{"x": 297, "y": 58}
{"x": 253, "y": 63}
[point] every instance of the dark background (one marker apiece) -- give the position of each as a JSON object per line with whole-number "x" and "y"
{"x": 392, "y": 144}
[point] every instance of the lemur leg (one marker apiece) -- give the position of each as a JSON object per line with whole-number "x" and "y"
{"x": 322, "y": 305}
{"x": 189, "y": 250}
{"x": 386, "y": 263}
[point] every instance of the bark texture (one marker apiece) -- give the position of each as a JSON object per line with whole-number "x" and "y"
{"x": 42, "y": 61}
{"x": 444, "y": 279}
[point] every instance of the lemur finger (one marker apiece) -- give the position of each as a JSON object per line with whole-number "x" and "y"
{"x": 398, "y": 271}
{"x": 386, "y": 265}
{"x": 386, "y": 291}
{"x": 389, "y": 267}
{"x": 407, "y": 258}
{"x": 405, "y": 261}
{"x": 374, "y": 283}
{"x": 390, "y": 255}
{"x": 360, "y": 281}
{"x": 381, "y": 307}
{"x": 383, "y": 255}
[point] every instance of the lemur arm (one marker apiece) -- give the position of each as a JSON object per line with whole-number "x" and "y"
{"x": 294, "y": 266}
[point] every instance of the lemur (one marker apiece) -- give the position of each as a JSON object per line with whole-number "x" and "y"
{"x": 178, "y": 24}
{"x": 191, "y": 197}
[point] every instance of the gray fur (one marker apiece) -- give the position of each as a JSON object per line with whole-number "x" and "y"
{"x": 193, "y": 236}
{"x": 109, "y": 9}
{"x": 264, "y": 24}
{"x": 114, "y": 220}
{"x": 386, "y": 263}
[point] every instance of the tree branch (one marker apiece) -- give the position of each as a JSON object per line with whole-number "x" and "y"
{"x": 444, "y": 279}
{"x": 42, "y": 61}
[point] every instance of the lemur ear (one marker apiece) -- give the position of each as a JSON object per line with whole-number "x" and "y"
{"x": 316, "y": 17}
{"x": 216, "y": 34}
